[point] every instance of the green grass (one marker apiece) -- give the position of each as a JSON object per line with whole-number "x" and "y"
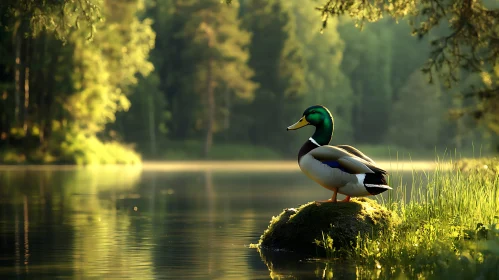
{"x": 483, "y": 165}
{"x": 449, "y": 229}
{"x": 391, "y": 152}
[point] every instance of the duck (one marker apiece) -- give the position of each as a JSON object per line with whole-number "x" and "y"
{"x": 342, "y": 169}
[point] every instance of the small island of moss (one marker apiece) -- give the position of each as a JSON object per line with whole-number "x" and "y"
{"x": 311, "y": 227}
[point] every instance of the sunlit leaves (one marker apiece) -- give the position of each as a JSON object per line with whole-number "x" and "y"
{"x": 108, "y": 66}
{"x": 61, "y": 17}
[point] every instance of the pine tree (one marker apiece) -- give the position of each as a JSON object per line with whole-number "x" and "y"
{"x": 277, "y": 58}
{"x": 326, "y": 82}
{"x": 417, "y": 114}
{"x": 217, "y": 44}
{"x": 368, "y": 62}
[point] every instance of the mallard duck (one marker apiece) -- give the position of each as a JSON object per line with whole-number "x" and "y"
{"x": 342, "y": 169}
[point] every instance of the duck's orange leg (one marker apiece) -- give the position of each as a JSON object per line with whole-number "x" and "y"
{"x": 332, "y": 199}
{"x": 347, "y": 199}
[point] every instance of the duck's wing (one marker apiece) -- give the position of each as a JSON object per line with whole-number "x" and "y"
{"x": 356, "y": 152}
{"x": 349, "y": 162}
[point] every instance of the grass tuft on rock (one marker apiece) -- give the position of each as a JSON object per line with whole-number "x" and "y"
{"x": 316, "y": 230}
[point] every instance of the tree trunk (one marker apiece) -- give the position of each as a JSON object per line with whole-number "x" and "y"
{"x": 210, "y": 112}
{"x": 210, "y": 88}
{"x": 26, "y": 87}
{"x": 152, "y": 125}
{"x": 17, "y": 74}
{"x": 49, "y": 108}
{"x": 228, "y": 113}
{"x": 43, "y": 95}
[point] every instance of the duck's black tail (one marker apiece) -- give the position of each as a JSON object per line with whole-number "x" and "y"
{"x": 375, "y": 183}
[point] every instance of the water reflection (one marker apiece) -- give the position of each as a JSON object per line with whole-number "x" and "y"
{"x": 61, "y": 226}
{"x": 291, "y": 266}
{"x": 150, "y": 224}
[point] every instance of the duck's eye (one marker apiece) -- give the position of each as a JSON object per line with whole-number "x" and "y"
{"x": 312, "y": 112}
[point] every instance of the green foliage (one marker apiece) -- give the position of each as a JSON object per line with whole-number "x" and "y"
{"x": 469, "y": 43}
{"x": 202, "y": 42}
{"x": 151, "y": 72}
{"x": 368, "y": 63}
{"x": 77, "y": 148}
{"x": 325, "y": 81}
{"x": 145, "y": 122}
{"x": 281, "y": 79}
{"x": 448, "y": 226}
{"x": 485, "y": 108}
{"x": 424, "y": 120}
{"x": 480, "y": 165}
{"x": 59, "y": 17}
{"x": 62, "y": 91}
{"x": 107, "y": 66}
{"x": 219, "y": 47}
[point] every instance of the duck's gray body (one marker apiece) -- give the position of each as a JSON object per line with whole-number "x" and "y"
{"x": 343, "y": 168}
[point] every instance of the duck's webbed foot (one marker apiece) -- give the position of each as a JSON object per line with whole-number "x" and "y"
{"x": 332, "y": 199}
{"x": 347, "y": 199}
{"x": 319, "y": 202}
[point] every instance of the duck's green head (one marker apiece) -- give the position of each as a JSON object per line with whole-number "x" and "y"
{"x": 320, "y": 117}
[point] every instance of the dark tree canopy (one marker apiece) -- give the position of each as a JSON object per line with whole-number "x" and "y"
{"x": 464, "y": 39}
{"x": 464, "y": 36}
{"x": 190, "y": 79}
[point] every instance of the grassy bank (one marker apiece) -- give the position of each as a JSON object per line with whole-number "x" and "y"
{"x": 450, "y": 228}
{"x": 74, "y": 149}
{"x": 84, "y": 150}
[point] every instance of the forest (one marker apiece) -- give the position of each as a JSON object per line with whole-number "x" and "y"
{"x": 113, "y": 81}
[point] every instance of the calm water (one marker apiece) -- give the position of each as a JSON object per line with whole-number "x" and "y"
{"x": 155, "y": 223}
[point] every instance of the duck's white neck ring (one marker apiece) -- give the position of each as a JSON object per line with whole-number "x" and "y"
{"x": 313, "y": 141}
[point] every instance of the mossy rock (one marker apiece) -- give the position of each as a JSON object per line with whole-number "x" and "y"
{"x": 296, "y": 230}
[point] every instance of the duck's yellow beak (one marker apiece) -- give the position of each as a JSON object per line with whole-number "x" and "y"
{"x": 299, "y": 124}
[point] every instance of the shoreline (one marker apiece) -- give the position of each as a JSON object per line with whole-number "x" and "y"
{"x": 226, "y": 165}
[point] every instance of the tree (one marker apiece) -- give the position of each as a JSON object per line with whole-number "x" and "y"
{"x": 57, "y": 17}
{"x": 144, "y": 124}
{"x": 277, "y": 59}
{"x": 417, "y": 114}
{"x": 65, "y": 92}
{"x": 471, "y": 43}
{"x": 106, "y": 67}
{"x": 218, "y": 45}
{"x": 368, "y": 62}
{"x": 326, "y": 82}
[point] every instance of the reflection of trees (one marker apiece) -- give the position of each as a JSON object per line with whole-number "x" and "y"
{"x": 207, "y": 236}
{"x": 26, "y": 216}
{"x": 291, "y": 266}
{"x": 67, "y": 221}
{"x": 106, "y": 242}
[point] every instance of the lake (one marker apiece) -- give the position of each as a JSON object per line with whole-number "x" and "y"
{"x": 159, "y": 221}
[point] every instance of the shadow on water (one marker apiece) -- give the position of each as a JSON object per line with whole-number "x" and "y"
{"x": 153, "y": 223}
